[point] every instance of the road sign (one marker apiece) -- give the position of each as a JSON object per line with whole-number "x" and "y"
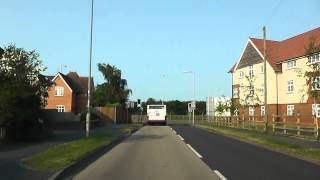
{"x": 138, "y": 103}
{"x": 193, "y": 105}
{"x": 189, "y": 108}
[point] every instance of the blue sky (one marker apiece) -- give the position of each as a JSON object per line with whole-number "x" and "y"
{"x": 148, "y": 39}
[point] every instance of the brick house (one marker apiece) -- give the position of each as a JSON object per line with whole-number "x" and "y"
{"x": 286, "y": 90}
{"x": 69, "y": 93}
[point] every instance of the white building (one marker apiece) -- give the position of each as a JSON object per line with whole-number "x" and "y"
{"x": 213, "y": 102}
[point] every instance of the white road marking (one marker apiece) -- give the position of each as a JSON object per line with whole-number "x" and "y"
{"x": 180, "y": 137}
{"x": 194, "y": 151}
{"x": 220, "y": 175}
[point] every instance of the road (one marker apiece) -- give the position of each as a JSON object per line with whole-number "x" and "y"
{"x": 153, "y": 152}
{"x": 239, "y": 160}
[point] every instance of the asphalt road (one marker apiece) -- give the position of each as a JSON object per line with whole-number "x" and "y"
{"x": 153, "y": 152}
{"x": 239, "y": 160}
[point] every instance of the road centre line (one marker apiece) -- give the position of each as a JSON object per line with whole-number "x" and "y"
{"x": 194, "y": 151}
{"x": 180, "y": 137}
{"x": 220, "y": 175}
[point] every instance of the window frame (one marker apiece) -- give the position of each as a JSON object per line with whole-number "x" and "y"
{"x": 291, "y": 64}
{"x": 252, "y": 111}
{"x": 241, "y": 74}
{"x": 251, "y": 72}
{"x": 60, "y": 108}
{"x": 315, "y": 110}
{"x": 290, "y": 110}
{"x": 235, "y": 93}
{"x": 59, "y": 91}
{"x": 262, "y": 109}
{"x": 290, "y": 86}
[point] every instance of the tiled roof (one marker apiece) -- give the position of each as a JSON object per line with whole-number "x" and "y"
{"x": 78, "y": 84}
{"x": 278, "y": 51}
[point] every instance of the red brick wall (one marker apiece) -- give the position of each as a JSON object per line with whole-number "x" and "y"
{"x": 301, "y": 110}
{"x": 65, "y": 100}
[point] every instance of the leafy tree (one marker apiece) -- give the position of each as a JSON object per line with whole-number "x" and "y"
{"x": 114, "y": 91}
{"x": 250, "y": 93}
{"x": 312, "y": 74}
{"x": 23, "y": 92}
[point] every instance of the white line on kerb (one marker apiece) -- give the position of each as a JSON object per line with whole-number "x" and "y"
{"x": 194, "y": 151}
{"x": 180, "y": 137}
{"x": 220, "y": 175}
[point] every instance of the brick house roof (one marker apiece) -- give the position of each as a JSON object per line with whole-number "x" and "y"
{"x": 78, "y": 84}
{"x": 279, "y": 51}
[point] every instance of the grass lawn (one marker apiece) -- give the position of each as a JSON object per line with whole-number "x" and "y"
{"x": 62, "y": 155}
{"x": 269, "y": 141}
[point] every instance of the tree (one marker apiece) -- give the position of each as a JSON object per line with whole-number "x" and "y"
{"x": 114, "y": 91}
{"x": 312, "y": 74}
{"x": 23, "y": 92}
{"x": 250, "y": 93}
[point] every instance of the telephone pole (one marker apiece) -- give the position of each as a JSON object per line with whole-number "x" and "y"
{"x": 89, "y": 79}
{"x": 265, "y": 78}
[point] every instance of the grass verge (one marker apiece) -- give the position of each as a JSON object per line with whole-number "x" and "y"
{"x": 268, "y": 141}
{"x": 62, "y": 155}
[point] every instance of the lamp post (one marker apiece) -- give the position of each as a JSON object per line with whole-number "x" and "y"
{"x": 163, "y": 79}
{"x": 89, "y": 79}
{"x": 193, "y": 103}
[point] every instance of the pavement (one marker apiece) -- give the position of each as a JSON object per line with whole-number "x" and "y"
{"x": 153, "y": 152}
{"x": 239, "y": 160}
{"x": 12, "y": 154}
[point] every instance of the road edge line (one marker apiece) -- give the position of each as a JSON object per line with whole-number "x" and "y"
{"x": 180, "y": 137}
{"x": 220, "y": 175}
{"x": 194, "y": 151}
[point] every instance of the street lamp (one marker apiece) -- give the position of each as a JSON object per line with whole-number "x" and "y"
{"x": 163, "y": 79}
{"x": 193, "y": 103}
{"x": 89, "y": 79}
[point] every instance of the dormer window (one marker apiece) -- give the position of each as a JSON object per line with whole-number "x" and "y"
{"x": 291, "y": 64}
{"x": 59, "y": 91}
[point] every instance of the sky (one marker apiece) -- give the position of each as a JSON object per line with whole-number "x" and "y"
{"x": 152, "y": 42}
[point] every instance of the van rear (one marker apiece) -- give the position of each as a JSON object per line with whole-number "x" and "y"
{"x": 157, "y": 114}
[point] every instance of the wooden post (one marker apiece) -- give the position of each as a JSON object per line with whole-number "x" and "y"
{"x": 316, "y": 134}
{"x": 273, "y": 123}
{"x": 284, "y": 125}
{"x": 298, "y": 126}
{"x": 242, "y": 121}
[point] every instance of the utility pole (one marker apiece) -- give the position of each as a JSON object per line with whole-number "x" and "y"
{"x": 89, "y": 79}
{"x": 265, "y": 77}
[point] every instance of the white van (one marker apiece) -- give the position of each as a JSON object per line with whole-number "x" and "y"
{"x": 157, "y": 114}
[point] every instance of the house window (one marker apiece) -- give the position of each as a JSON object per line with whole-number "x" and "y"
{"x": 241, "y": 74}
{"x": 316, "y": 110}
{"x": 262, "y": 69}
{"x": 263, "y": 111}
{"x": 60, "y": 108}
{"x": 316, "y": 83}
{"x": 291, "y": 64}
{"x": 251, "y": 90}
{"x": 59, "y": 91}
{"x": 290, "y": 110}
{"x": 314, "y": 58}
{"x": 251, "y": 71}
{"x": 251, "y": 111}
{"x": 262, "y": 89}
{"x": 290, "y": 87}
{"x": 235, "y": 93}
